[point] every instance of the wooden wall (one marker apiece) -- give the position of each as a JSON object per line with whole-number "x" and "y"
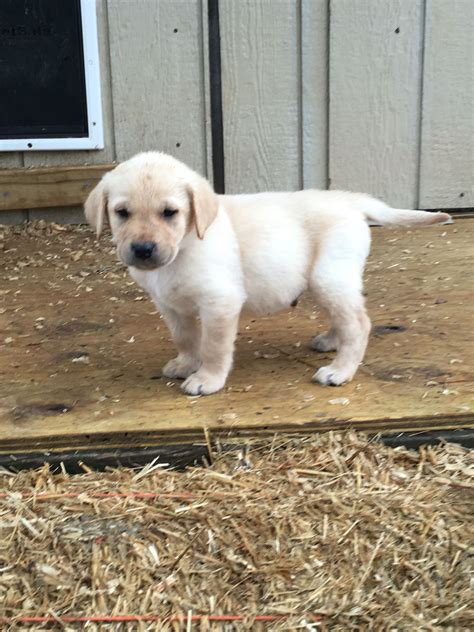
{"x": 371, "y": 95}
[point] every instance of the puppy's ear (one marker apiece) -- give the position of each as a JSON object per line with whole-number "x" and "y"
{"x": 204, "y": 205}
{"x": 95, "y": 207}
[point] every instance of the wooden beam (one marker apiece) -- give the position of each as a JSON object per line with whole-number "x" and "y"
{"x": 70, "y": 383}
{"x": 132, "y": 439}
{"x": 48, "y": 187}
{"x": 182, "y": 455}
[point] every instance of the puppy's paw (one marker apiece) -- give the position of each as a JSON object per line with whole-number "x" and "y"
{"x": 203, "y": 383}
{"x": 181, "y": 367}
{"x": 330, "y": 376}
{"x": 324, "y": 342}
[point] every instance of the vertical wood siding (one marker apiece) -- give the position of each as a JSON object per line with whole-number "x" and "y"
{"x": 375, "y": 97}
{"x": 158, "y": 78}
{"x": 261, "y": 94}
{"x": 447, "y": 139}
{"x": 368, "y": 95}
{"x": 315, "y": 92}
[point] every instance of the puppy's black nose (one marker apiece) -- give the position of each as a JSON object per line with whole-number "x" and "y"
{"x": 143, "y": 249}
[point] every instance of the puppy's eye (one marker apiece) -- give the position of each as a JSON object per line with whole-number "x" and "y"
{"x": 122, "y": 213}
{"x": 169, "y": 212}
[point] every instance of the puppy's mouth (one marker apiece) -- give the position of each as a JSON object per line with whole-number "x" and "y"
{"x": 152, "y": 262}
{"x": 144, "y": 264}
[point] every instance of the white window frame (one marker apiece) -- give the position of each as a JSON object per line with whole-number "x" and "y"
{"x": 95, "y": 138}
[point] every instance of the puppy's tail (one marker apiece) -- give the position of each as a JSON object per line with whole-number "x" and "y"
{"x": 379, "y": 214}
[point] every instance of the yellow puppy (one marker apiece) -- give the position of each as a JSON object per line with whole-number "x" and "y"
{"x": 204, "y": 257}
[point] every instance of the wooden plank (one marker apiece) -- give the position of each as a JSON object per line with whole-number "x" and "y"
{"x": 375, "y": 97}
{"x": 101, "y": 156}
{"x": 260, "y": 51}
{"x": 447, "y": 143}
{"x": 177, "y": 456}
{"x": 207, "y": 90}
{"x": 48, "y": 186}
{"x": 13, "y": 217}
{"x": 414, "y": 441}
{"x": 81, "y": 351}
{"x": 61, "y": 215}
{"x": 315, "y": 92}
{"x": 134, "y": 440}
{"x": 10, "y": 159}
{"x": 191, "y": 453}
{"x": 157, "y": 79}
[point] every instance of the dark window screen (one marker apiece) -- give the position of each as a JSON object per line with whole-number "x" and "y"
{"x": 42, "y": 83}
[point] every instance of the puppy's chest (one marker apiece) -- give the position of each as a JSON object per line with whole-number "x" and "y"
{"x": 172, "y": 295}
{"x": 165, "y": 290}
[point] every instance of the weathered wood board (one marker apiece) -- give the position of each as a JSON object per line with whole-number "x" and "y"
{"x": 315, "y": 92}
{"x": 47, "y": 187}
{"x": 447, "y": 141}
{"x": 375, "y": 98}
{"x": 81, "y": 348}
{"x": 261, "y": 95}
{"x": 12, "y": 160}
{"x": 158, "y": 79}
{"x": 373, "y": 95}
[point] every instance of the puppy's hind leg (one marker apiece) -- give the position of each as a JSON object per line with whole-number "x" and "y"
{"x": 336, "y": 282}
{"x": 353, "y": 327}
{"x": 325, "y": 342}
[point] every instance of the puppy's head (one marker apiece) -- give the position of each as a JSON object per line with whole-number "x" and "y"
{"x": 151, "y": 201}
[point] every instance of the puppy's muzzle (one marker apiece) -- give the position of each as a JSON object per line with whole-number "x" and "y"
{"x": 146, "y": 255}
{"x": 143, "y": 250}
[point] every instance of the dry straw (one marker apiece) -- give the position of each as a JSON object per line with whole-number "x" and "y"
{"x": 329, "y": 532}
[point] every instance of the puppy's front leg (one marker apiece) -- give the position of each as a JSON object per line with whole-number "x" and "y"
{"x": 217, "y": 349}
{"x": 186, "y": 336}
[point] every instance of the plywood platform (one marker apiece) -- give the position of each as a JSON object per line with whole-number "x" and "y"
{"x": 81, "y": 348}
